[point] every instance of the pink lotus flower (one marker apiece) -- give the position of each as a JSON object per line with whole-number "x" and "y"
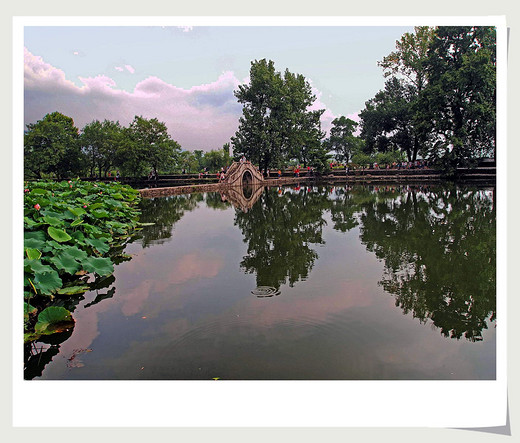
{"x": 85, "y": 206}
{"x": 37, "y": 206}
{"x": 25, "y": 190}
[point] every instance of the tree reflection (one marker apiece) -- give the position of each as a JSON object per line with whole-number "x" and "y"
{"x": 438, "y": 247}
{"x": 279, "y": 230}
{"x": 164, "y": 212}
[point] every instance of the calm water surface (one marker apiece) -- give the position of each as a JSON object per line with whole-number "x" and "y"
{"x": 345, "y": 283}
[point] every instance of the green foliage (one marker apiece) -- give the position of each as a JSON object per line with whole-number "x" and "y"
{"x": 67, "y": 235}
{"x": 439, "y": 101}
{"x": 461, "y": 95}
{"x": 102, "y": 143}
{"x": 277, "y": 125}
{"x": 53, "y": 319}
{"x": 342, "y": 139}
{"x": 51, "y": 147}
{"x": 147, "y": 145}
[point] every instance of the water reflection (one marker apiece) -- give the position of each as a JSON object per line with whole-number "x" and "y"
{"x": 437, "y": 243}
{"x": 242, "y": 198}
{"x": 164, "y": 212}
{"x": 204, "y": 280}
{"x": 280, "y": 230}
{"x": 438, "y": 247}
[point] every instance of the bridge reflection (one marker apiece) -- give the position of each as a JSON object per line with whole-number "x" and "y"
{"x": 242, "y": 197}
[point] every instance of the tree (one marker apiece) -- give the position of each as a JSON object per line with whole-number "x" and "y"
{"x": 342, "y": 139}
{"x": 409, "y": 61}
{"x": 276, "y": 124}
{"x": 152, "y": 143}
{"x": 199, "y": 154}
{"x": 395, "y": 118}
{"x": 389, "y": 121}
{"x": 51, "y": 147}
{"x": 101, "y": 142}
{"x": 461, "y": 95}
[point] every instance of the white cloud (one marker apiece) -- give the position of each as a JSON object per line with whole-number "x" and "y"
{"x": 130, "y": 69}
{"x": 119, "y": 68}
{"x": 202, "y": 117}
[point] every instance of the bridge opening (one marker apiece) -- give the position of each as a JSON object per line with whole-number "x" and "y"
{"x": 247, "y": 179}
{"x": 247, "y": 190}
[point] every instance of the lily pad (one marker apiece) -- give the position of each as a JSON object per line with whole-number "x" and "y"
{"x": 99, "y": 265}
{"x": 53, "y": 221}
{"x": 53, "y": 319}
{"x": 98, "y": 244}
{"x": 70, "y": 290}
{"x": 33, "y": 254}
{"x": 58, "y": 234}
{"x": 63, "y": 261}
{"x": 48, "y": 282}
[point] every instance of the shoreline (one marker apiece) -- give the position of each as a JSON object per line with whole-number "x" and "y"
{"x": 415, "y": 177}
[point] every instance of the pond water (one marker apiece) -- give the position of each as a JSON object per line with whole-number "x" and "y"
{"x": 312, "y": 282}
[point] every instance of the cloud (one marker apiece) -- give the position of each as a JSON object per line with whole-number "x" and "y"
{"x": 201, "y": 117}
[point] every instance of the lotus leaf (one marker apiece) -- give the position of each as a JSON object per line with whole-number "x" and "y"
{"x": 36, "y": 266}
{"x": 53, "y": 319}
{"x": 70, "y": 290}
{"x": 98, "y": 244}
{"x": 38, "y": 235}
{"x": 77, "y": 212}
{"x": 33, "y": 254}
{"x": 53, "y": 221}
{"x": 99, "y": 265}
{"x": 65, "y": 262}
{"x": 76, "y": 253}
{"x": 34, "y": 243}
{"x": 58, "y": 234}
{"x": 39, "y": 191}
{"x": 47, "y": 282}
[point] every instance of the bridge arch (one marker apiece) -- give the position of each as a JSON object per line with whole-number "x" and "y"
{"x": 240, "y": 174}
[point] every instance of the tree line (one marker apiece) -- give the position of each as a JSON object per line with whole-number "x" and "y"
{"x": 55, "y": 147}
{"x": 438, "y": 104}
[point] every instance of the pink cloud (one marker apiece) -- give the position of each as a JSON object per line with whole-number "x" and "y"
{"x": 119, "y": 68}
{"x": 201, "y": 117}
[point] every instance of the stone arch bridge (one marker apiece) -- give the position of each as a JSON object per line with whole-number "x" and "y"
{"x": 242, "y": 174}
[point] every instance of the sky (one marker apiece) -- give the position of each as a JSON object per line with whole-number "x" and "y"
{"x": 185, "y": 76}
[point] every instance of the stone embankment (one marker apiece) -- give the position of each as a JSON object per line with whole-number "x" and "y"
{"x": 212, "y": 187}
{"x": 169, "y": 185}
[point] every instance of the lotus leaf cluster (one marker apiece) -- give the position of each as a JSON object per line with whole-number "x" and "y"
{"x": 71, "y": 229}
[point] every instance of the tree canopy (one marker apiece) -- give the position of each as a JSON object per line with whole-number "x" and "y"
{"x": 439, "y": 99}
{"x": 277, "y": 123}
{"x": 51, "y": 147}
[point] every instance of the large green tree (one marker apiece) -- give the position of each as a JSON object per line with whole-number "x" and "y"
{"x": 395, "y": 118}
{"x": 151, "y": 145}
{"x": 342, "y": 139}
{"x": 51, "y": 147}
{"x": 277, "y": 123}
{"x": 461, "y": 94}
{"x": 101, "y": 142}
{"x": 389, "y": 120}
